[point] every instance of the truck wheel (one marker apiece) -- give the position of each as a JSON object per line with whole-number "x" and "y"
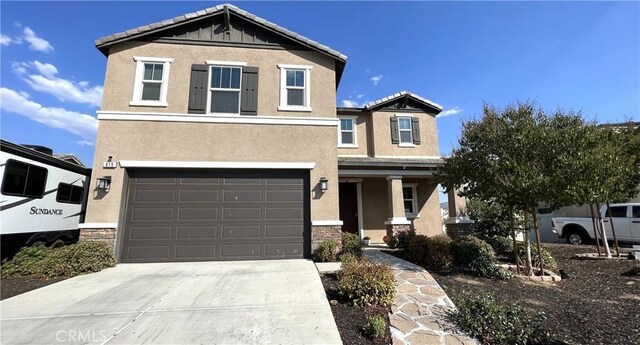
{"x": 57, "y": 244}
{"x": 576, "y": 239}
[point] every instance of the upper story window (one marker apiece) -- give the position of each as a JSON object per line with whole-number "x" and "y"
{"x": 152, "y": 77}
{"x": 410, "y": 198}
{"x": 23, "y": 179}
{"x": 224, "y": 89}
{"x": 295, "y": 91}
{"x": 405, "y": 130}
{"x": 347, "y": 135}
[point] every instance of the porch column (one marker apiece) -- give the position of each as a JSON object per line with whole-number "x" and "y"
{"x": 458, "y": 223}
{"x": 397, "y": 220}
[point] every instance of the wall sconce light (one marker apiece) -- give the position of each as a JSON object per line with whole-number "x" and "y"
{"x": 104, "y": 183}
{"x": 324, "y": 184}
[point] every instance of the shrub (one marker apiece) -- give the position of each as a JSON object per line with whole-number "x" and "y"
{"x": 438, "y": 254}
{"x": 493, "y": 321}
{"x": 501, "y": 245}
{"x": 417, "y": 251}
{"x": 366, "y": 283}
{"x": 403, "y": 238}
{"x": 351, "y": 244}
{"x": 326, "y": 251}
{"x": 375, "y": 327}
{"x": 477, "y": 256}
{"x": 72, "y": 260}
{"x": 548, "y": 260}
{"x": 348, "y": 258}
{"x": 491, "y": 218}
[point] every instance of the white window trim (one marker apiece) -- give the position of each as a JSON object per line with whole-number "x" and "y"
{"x": 137, "y": 86}
{"x": 283, "y": 88}
{"x": 354, "y": 130}
{"x": 400, "y": 143}
{"x": 414, "y": 188}
{"x": 225, "y": 63}
{"x": 209, "y": 88}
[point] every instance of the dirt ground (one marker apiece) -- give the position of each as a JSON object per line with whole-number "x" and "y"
{"x": 594, "y": 305}
{"x": 350, "y": 319}
{"x": 13, "y": 286}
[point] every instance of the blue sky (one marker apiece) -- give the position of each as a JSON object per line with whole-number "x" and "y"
{"x": 573, "y": 55}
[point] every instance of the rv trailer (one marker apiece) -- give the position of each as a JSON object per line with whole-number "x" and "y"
{"x": 42, "y": 199}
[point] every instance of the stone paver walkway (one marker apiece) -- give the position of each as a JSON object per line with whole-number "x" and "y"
{"x": 418, "y": 313}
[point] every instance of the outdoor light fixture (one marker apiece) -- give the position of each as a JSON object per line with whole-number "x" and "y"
{"x": 104, "y": 183}
{"x": 324, "y": 184}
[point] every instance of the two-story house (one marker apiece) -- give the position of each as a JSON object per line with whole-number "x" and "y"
{"x": 219, "y": 139}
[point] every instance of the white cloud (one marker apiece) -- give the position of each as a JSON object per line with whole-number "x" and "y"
{"x": 376, "y": 79}
{"x": 46, "y": 80}
{"x": 359, "y": 96}
{"x": 79, "y": 124}
{"x": 35, "y": 42}
{"x": 84, "y": 143}
{"x": 5, "y": 40}
{"x": 348, "y": 103}
{"x": 449, "y": 112}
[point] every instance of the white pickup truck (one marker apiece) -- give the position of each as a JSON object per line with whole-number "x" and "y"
{"x": 626, "y": 222}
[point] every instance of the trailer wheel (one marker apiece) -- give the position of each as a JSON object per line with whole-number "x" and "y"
{"x": 57, "y": 244}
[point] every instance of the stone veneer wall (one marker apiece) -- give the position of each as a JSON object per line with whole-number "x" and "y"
{"x": 320, "y": 233}
{"x": 394, "y": 229}
{"x": 104, "y": 235}
{"x": 455, "y": 230}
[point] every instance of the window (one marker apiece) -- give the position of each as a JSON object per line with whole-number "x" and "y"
{"x": 22, "y": 179}
{"x": 409, "y": 197}
{"x": 69, "y": 194}
{"x": 636, "y": 212}
{"x": 294, "y": 90}
{"x": 405, "y": 130}
{"x": 617, "y": 212}
{"x": 152, "y": 75}
{"x": 224, "y": 90}
{"x": 347, "y": 132}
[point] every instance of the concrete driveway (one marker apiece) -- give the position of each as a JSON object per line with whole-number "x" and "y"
{"x": 177, "y": 303}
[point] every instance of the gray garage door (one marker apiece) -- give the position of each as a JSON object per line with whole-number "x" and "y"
{"x": 216, "y": 215}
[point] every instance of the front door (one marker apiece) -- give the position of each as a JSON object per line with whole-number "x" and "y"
{"x": 349, "y": 207}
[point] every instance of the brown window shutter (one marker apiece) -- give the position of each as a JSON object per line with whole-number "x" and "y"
{"x": 394, "y": 131}
{"x": 415, "y": 128}
{"x": 249, "y": 93}
{"x": 198, "y": 89}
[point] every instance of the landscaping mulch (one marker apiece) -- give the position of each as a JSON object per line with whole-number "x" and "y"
{"x": 349, "y": 318}
{"x": 593, "y": 304}
{"x": 13, "y": 286}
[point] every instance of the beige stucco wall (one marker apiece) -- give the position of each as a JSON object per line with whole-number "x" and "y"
{"x": 363, "y": 139}
{"x": 381, "y": 131}
{"x": 375, "y": 207}
{"x": 121, "y": 68}
{"x": 175, "y": 141}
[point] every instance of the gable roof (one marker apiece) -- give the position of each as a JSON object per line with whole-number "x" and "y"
{"x": 391, "y": 98}
{"x": 104, "y": 43}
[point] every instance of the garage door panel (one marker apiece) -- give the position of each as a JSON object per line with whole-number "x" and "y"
{"x": 182, "y": 215}
{"x": 241, "y": 232}
{"x": 197, "y": 213}
{"x": 199, "y": 195}
{"x": 197, "y": 232}
{"x": 150, "y": 232}
{"x": 238, "y": 195}
{"x": 152, "y": 213}
{"x": 195, "y": 252}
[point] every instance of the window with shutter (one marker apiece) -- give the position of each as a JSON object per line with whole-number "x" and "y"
{"x": 219, "y": 89}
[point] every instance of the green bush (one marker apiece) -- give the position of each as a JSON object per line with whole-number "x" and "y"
{"x": 417, "y": 251}
{"x": 327, "y": 251}
{"x": 348, "y": 258}
{"x": 438, "y": 254}
{"x": 375, "y": 327}
{"x": 501, "y": 245}
{"x": 69, "y": 261}
{"x": 366, "y": 283}
{"x": 477, "y": 256}
{"x": 548, "y": 260}
{"x": 351, "y": 244}
{"x": 491, "y": 218}
{"x": 496, "y": 322}
{"x": 403, "y": 238}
